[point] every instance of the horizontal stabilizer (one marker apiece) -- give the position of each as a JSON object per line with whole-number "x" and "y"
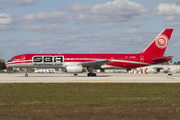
{"x": 162, "y": 58}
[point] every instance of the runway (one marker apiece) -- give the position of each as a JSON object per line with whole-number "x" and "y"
{"x": 82, "y": 78}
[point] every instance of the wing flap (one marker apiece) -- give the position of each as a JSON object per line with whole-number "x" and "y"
{"x": 94, "y": 63}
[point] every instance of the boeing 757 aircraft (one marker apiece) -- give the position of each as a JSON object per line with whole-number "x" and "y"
{"x": 78, "y": 63}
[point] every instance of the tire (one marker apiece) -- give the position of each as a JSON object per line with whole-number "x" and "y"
{"x": 26, "y": 75}
{"x": 91, "y": 74}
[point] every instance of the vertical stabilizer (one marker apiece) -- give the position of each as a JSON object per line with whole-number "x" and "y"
{"x": 158, "y": 46}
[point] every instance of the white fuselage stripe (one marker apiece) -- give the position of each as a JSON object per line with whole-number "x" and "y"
{"x": 125, "y": 61}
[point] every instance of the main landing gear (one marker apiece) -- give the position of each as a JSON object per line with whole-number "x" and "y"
{"x": 91, "y": 74}
{"x": 90, "y": 69}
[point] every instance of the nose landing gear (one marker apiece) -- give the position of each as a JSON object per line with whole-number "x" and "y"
{"x": 26, "y": 75}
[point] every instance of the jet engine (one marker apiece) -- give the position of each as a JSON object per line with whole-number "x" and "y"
{"x": 75, "y": 69}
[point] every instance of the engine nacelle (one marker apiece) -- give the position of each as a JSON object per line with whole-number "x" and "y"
{"x": 75, "y": 69}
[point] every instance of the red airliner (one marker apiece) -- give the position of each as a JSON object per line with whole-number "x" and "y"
{"x": 78, "y": 63}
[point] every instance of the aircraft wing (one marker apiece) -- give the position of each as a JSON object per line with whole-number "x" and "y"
{"x": 162, "y": 58}
{"x": 94, "y": 63}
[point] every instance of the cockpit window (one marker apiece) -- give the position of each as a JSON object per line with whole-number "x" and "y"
{"x": 12, "y": 59}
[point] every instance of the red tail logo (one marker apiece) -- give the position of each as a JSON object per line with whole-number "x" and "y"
{"x": 162, "y": 41}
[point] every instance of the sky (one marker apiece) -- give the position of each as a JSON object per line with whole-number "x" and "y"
{"x": 86, "y": 26}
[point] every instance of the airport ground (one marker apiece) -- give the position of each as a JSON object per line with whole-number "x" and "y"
{"x": 82, "y": 78}
{"x": 107, "y": 96}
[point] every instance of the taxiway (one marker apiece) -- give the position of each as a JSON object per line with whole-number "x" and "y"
{"x": 82, "y": 78}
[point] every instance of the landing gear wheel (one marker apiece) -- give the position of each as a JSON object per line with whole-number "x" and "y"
{"x": 91, "y": 74}
{"x": 26, "y": 75}
{"x": 75, "y": 74}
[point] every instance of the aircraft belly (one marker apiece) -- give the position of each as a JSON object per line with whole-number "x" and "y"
{"x": 21, "y": 65}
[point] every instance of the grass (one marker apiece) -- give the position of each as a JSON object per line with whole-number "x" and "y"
{"x": 131, "y": 101}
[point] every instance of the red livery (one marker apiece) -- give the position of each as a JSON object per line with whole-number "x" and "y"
{"x": 77, "y": 63}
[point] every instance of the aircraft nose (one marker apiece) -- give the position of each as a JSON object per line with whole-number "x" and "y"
{"x": 7, "y": 64}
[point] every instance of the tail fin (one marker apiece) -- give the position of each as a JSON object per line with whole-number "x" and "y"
{"x": 158, "y": 46}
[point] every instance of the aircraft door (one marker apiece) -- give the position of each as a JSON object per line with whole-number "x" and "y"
{"x": 23, "y": 59}
{"x": 112, "y": 59}
{"x": 141, "y": 58}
